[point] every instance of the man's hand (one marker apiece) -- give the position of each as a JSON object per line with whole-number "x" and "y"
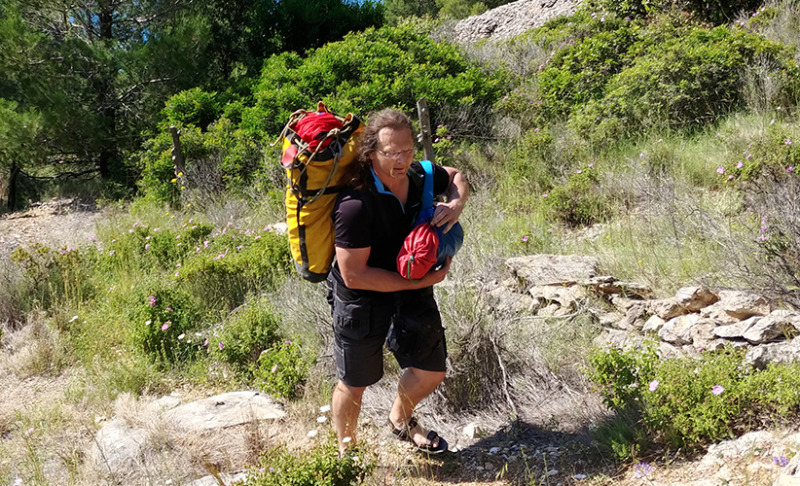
{"x": 445, "y": 216}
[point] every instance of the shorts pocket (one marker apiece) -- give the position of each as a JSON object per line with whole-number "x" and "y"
{"x": 351, "y": 319}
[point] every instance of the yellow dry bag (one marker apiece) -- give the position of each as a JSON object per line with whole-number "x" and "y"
{"x": 318, "y": 146}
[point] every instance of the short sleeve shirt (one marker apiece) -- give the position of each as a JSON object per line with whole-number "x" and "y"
{"x": 376, "y": 219}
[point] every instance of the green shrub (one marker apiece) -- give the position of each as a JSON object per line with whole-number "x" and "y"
{"x": 282, "y": 368}
{"x": 577, "y": 203}
{"x": 53, "y": 277}
{"x": 391, "y": 66}
{"x": 145, "y": 249}
{"x": 721, "y": 398}
{"x": 225, "y": 269}
{"x": 217, "y": 160}
{"x": 320, "y": 466}
{"x": 688, "y": 79}
{"x": 161, "y": 317}
{"x": 191, "y": 107}
{"x": 579, "y": 70}
{"x": 250, "y": 330}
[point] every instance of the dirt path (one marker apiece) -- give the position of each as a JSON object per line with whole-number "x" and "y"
{"x": 56, "y": 222}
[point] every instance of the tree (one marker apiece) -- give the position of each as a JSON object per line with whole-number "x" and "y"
{"x": 19, "y": 147}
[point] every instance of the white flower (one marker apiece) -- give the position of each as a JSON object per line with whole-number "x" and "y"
{"x": 346, "y": 440}
{"x": 321, "y": 419}
{"x": 312, "y": 433}
{"x": 147, "y": 323}
{"x": 181, "y": 336}
{"x": 325, "y": 408}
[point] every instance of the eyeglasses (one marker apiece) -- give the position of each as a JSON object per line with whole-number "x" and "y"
{"x": 395, "y": 155}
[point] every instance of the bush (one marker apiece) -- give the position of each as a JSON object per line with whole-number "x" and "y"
{"x": 191, "y": 107}
{"x": 723, "y": 398}
{"x": 391, "y": 66}
{"x": 320, "y": 466}
{"x": 161, "y": 317}
{"x": 688, "y": 79}
{"x": 224, "y": 270}
{"x": 249, "y": 330}
{"x": 53, "y": 277}
{"x": 577, "y": 203}
{"x": 218, "y": 160}
{"x": 282, "y": 368}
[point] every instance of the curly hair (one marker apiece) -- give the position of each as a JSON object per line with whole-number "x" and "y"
{"x": 386, "y": 118}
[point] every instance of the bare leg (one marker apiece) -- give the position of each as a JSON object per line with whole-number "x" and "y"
{"x": 414, "y": 385}
{"x": 346, "y": 407}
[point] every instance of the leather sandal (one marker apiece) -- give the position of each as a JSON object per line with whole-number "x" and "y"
{"x": 404, "y": 433}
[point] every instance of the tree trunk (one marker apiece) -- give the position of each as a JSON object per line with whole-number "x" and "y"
{"x": 11, "y": 201}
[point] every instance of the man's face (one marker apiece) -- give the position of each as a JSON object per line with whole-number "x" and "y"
{"x": 393, "y": 155}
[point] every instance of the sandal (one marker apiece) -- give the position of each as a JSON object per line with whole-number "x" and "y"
{"x": 404, "y": 433}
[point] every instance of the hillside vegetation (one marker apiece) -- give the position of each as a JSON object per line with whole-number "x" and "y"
{"x": 664, "y": 141}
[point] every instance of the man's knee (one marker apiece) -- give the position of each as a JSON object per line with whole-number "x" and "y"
{"x": 430, "y": 378}
{"x": 354, "y": 392}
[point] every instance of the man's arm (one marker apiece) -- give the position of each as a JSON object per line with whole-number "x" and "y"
{"x": 447, "y": 213}
{"x": 358, "y": 275}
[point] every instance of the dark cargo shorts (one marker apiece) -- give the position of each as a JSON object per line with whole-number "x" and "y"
{"x": 361, "y": 325}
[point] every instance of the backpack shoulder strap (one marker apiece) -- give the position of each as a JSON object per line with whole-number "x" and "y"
{"x": 426, "y": 210}
{"x": 427, "y": 189}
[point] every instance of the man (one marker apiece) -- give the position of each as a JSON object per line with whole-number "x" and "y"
{"x": 372, "y": 218}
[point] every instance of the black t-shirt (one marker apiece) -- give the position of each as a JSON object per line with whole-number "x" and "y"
{"x": 375, "y": 218}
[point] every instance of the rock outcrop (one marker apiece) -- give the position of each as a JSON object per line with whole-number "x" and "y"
{"x": 694, "y": 319}
{"x": 511, "y": 19}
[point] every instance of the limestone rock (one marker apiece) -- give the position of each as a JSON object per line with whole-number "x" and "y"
{"x": 778, "y": 324}
{"x": 760, "y": 356}
{"x": 737, "y": 330}
{"x": 608, "y": 285}
{"x": 118, "y": 446}
{"x": 567, "y": 296}
{"x": 703, "y": 337}
{"x": 504, "y": 299}
{"x": 537, "y": 270}
{"x": 653, "y": 324}
{"x": 512, "y": 19}
{"x": 790, "y": 476}
{"x": 226, "y": 410}
{"x": 226, "y": 479}
{"x": 667, "y": 308}
{"x": 634, "y": 317}
{"x": 695, "y": 298}
{"x": 678, "y": 330}
{"x": 741, "y": 304}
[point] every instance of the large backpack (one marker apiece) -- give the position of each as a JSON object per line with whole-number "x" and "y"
{"x": 318, "y": 146}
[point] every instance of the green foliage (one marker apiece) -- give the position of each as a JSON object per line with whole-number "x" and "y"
{"x": 580, "y": 69}
{"x": 54, "y": 277}
{"x": 689, "y": 78}
{"x": 613, "y": 78}
{"x": 248, "y": 331}
{"x": 282, "y": 369}
{"x": 391, "y": 66}
{"x": 221, "y": 159}
{"x": 223, "y": 272}
{"x": 161, "y": 320}
{"x": 703, "y": 10}
{"x": 577, "y": 203}
{"x": 723, "y": 397}
{"x": 191, "y": 107}
{"x": 320, "y": 466}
